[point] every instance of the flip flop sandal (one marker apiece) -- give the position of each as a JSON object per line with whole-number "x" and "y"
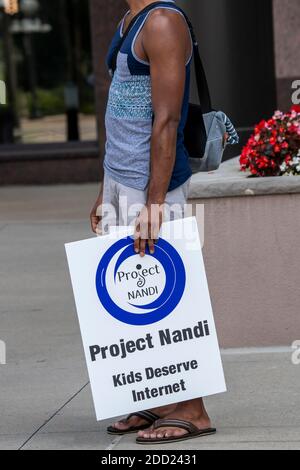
{"x": 192, "y": 432}
{"x": 146, "y": 415}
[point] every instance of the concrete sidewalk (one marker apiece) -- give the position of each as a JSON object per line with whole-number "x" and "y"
{"x": 45, "y": 397}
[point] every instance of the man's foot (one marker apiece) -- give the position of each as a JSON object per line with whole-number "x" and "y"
{"x": 192, "y": 411}
{"x": 136, "y": 421}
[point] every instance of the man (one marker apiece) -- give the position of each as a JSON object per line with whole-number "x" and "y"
{"x": 146, "y": 164}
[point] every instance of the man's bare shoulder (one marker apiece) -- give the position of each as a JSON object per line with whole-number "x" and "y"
{"x": 165, "y": 21}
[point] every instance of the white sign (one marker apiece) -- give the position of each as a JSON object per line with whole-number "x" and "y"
{"x": 147, "y": 324}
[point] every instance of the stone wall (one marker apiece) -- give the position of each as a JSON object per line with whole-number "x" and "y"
{"x": 249, "y": 230}
{"x": 68, "y": 162}
{"x": 251, "y": 254}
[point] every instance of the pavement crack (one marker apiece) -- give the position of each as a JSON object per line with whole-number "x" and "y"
{"x": 52, "y": 416}
{"x": 114, "y": 443}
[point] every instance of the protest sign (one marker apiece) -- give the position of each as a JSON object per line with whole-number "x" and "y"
{"x": 147, "y": 324}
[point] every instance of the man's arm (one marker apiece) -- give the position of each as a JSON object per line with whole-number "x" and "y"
{"x": 167, "y": 45}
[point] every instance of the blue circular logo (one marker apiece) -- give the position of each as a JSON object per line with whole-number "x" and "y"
{"x": 164, "y": 304}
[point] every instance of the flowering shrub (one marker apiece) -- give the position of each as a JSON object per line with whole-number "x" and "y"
{"x": 274, "y": 148}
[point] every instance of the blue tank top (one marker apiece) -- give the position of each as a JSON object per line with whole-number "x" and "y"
{"x": 129, "y": 116}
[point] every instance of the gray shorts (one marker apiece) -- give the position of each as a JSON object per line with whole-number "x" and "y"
{"x": 122, "y": 204}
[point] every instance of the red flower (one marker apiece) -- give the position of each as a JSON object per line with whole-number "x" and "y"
{"x": 261, "y": 125}
{"x": 243, "y": 160}
{"x": 296, "y": 108}
{"x": 273, "y": 142}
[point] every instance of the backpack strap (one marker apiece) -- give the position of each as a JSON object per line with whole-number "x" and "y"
{"x": 147, "y": 9}
{"x": 202, "y": 83}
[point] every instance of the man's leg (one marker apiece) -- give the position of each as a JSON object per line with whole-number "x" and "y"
{"x": 192, "y": 411}
{"x": 130, "y": 203}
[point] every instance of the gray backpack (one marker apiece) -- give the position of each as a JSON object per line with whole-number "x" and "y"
{"x": 216, "y": 125}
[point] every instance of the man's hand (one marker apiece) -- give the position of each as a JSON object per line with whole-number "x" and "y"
{"x": 147, "y": 228}
{"x": 95, "y": 215}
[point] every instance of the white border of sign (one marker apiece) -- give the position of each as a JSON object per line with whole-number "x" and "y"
{"x": 137, "y": 367}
